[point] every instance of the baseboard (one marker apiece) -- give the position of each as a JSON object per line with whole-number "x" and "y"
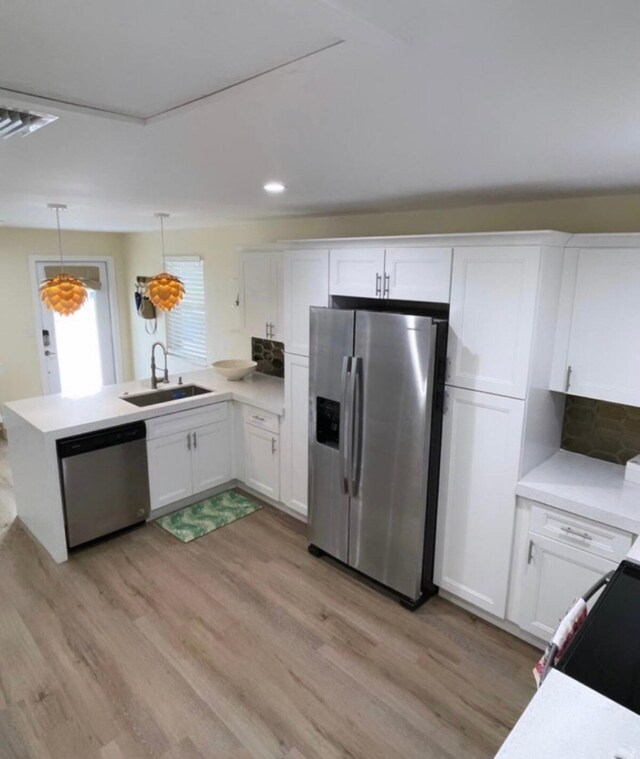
{"x": 276, "y": 504}
{"x": 169, "y": 509}
{"x": 503, "y": 624}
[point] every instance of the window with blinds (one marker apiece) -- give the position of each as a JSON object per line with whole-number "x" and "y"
{"x": 186, "y": 330}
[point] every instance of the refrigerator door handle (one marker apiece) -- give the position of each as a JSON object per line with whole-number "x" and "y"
{"x": 345, "y": 426}
{"x": 356, "y": 426}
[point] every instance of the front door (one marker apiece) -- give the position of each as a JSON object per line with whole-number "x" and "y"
{"x": 77, "y": 350}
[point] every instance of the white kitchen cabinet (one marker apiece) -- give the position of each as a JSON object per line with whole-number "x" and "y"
{"x": 555, "y": 575}
{"x": 210, "y": 456}
{"x": 558, "y": 557}
{"x": 356, "y": 271}
{"x": 600, "y": 313}
{"x": 306, "y": 284}
{"x": 262, "y": 460}
{"x": 262, "y": 293}
{"x": 188, "y": 453}
{"x": 402, "y": 273}
{"x": 169, "y": 462}
{"x": 295, "y": 434}
{"x": 480, "y": 461}
{"x": 491, "y": 321}
{"x": 421, "y": 274}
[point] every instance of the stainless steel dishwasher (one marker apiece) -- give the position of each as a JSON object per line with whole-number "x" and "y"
{"x": 105, "y": 481}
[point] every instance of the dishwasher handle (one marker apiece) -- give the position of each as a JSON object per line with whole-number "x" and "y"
{"x": 93, "y": 441}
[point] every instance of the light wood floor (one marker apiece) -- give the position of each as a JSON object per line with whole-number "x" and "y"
{"x": 239, "y": 644}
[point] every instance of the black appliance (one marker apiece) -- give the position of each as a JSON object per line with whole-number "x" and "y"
{"x": 605, "y": 652}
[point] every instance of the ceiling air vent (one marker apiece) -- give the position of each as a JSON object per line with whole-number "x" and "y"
{"x": 14, "y": 122}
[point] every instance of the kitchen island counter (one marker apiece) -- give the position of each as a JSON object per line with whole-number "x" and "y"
{"x": 34, "y": 426}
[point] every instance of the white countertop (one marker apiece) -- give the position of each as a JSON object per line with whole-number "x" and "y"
{"x": 567, "y": 720}
{"x": 587, "y": 487}
{"x": 59, "y": 416}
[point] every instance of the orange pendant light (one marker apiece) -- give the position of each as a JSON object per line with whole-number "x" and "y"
{"x": 63, "y": 293}
{"x": 165, "y": 290}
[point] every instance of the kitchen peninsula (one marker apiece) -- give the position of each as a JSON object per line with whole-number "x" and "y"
{"x": 34, "y": 426}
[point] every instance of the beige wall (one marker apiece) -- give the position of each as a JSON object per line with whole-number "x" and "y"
{"x": 217, "y": 246}
{"x": 19, "y": 342}
{"x": 140, "y": 254}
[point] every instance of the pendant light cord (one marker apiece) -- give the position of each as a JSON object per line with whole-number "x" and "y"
{"x": 164, "y": 263}
{"x": 59, "y": 239}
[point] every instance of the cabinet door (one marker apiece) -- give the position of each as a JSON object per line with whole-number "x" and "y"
{"x": 604, "y": 361}
{"x": 210, "y": 456}
{"x": 422, "y": 274}
{"x": 356, "y": 271}
{"x": 295, "y": 437}
{"x": 493, "y": 297}
{"x": 169, "y": 461}
{"x": 555, "y": 575}
{"x": 262, "y": 461}
{"x": 260, "y": 292}
{"x": 306, "y": 284}
{"x": 480, "y": 461}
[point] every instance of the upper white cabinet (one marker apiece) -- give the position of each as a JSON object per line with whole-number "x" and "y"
{"x": 295, "y": 437}
{"x": 481, "y": 447}
{"x": 493, "y": 303}
{"x": 401, "y": 273}
{"x": 357, "y": 271}
{"x": 597, "y": 332}
{"x": 306, "y": 284}
{"x": 262, "y": 293}
{"x": 422, "y": 274}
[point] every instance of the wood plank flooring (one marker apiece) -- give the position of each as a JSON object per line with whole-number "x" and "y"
{"x": 237, "y": 645}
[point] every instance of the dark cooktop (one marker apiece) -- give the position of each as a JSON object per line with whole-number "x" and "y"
{"x": 605, "y": 653}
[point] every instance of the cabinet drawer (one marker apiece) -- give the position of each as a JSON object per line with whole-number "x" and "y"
{"x": 592, "y": 537}
{"x": 258, "y": 418}
{"x": 182, "y": 421}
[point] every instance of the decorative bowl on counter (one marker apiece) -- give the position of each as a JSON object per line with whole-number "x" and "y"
{"x": 235, "y": 368}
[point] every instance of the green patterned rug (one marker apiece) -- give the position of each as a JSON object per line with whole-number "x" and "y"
{"x": 202, "y": 518}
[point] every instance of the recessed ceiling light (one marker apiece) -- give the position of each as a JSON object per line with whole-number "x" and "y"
{"x": 275, "y": 188}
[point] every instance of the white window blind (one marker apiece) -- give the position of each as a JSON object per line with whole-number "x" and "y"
{"x": 186, "y": 330}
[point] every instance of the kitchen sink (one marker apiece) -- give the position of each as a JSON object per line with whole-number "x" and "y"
{"x": 169, "y": 394}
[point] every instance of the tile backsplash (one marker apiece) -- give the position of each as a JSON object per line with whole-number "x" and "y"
{"x": 269, "y": 355}
{"x": 607, "y": 431}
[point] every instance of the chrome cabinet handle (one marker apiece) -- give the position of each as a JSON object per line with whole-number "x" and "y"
{"x": 273, "y": 330}
{"x": 530, "y": 553}
{"x": 195, "y": 440}
{"x": 266, "y": 330}
{"x": 356, "y": 427}
{"x": 273, "y": 445}
{"x": 189, "y": 441}
{"x": 378, "y": 284}
{"x": 387, "y": 285}
{"x": 49, "y": 353}
{"x": 570, "y": 532}
{"x": 259, "y": 418}
{"x": 345, "y": 425}
{"x": 567, "y": 383}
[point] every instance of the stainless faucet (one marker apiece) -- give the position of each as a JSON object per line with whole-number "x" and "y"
{"x": 154, "y": 379}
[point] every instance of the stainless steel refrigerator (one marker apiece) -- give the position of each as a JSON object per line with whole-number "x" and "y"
{"x": 376, "y": 390}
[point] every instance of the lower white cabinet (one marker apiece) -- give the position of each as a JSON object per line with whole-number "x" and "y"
{"x": 481, "y": 446}
{"x": 188, "y": 453}
{"x": 295, "y": 434}
{"x": 262, "y": 460}
{"x": 555, "y": 575}
{"x": 169, "y": 461}
{"x": 559, "y": 557}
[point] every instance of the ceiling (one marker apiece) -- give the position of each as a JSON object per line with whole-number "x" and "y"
{"x": 190, "y": 107}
